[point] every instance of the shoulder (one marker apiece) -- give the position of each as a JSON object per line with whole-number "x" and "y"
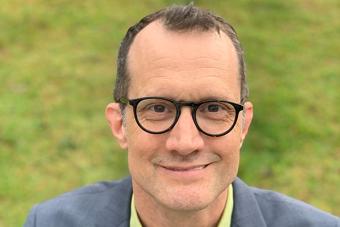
{"x": 85, "y": 206}
{"x": 280, "y": 210}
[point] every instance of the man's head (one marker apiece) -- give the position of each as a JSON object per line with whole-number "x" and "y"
{"x": 191, "y": 56}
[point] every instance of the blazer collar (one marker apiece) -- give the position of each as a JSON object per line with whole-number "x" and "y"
{"x": 246, "y": 211}
{"x": 116, "y": 212}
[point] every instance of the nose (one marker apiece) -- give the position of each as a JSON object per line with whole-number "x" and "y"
{"x": 185, "y": 138}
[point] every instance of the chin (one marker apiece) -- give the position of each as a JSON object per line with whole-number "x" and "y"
{"x": 188, "y": 198}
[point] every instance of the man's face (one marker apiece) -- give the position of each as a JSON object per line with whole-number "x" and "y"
{"x": 182, "y": 169}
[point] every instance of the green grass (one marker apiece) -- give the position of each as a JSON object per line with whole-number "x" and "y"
{"x": 57, "y": 63}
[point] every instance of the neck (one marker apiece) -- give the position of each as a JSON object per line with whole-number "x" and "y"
{"x": 152, "y": 213}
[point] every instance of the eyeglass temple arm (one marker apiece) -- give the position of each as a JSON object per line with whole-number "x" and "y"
{"x": 123, "y": 101}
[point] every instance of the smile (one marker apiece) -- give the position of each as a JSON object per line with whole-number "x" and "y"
{"x": 189, "y": 168}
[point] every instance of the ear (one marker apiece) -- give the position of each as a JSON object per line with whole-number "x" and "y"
{"x": 247, "y": 118}
{"x": 115, "y": 120}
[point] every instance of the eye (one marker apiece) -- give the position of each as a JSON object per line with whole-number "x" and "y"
{"x": 155, "y": 106}
{"x": 158, "y": 108}
{"x": 213, "y": 107}
{"x": 216, "y": 109}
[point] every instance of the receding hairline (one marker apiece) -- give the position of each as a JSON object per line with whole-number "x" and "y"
{"x": 159, "y": 24}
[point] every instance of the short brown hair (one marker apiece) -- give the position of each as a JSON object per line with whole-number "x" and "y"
{"x": 177, "y": 18}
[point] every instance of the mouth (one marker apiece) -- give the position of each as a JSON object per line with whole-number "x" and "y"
{"x": 185, "y": 168}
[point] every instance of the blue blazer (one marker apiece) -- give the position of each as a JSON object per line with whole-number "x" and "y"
{"x": 107, "y": 204}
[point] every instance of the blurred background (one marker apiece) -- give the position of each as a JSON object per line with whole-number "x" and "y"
{"x": 57, "y": 70}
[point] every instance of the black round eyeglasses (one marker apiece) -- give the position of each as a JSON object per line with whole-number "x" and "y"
{"x": 158, "y": 115}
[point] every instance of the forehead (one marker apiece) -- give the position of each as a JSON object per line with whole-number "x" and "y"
{"x": 163, "y": 62}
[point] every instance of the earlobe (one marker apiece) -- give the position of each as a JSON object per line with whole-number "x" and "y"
{"x": 248, "y": 116}
{"x": 115, "y": 119}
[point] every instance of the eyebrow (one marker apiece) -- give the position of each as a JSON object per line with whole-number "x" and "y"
{"x": 202, "y": 99}
{"x": 216, "y": 98}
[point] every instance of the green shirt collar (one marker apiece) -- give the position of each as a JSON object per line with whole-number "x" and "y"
{"x": 224, "y": 222}
{"x": 228, "y": 210}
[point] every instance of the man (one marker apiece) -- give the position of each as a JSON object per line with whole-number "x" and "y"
{"x": 182, "y": 113}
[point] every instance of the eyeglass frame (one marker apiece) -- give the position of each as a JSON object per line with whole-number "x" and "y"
{"x": 179, "y": 104}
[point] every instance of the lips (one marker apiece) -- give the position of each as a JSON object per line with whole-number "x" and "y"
{"x": 186, "y": 168}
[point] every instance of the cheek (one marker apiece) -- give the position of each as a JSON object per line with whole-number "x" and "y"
{"x": 228, "y": 148}
{"x": 142, "y": 148}
{"x": 143, "y": 145}
{"x": 229, "y": 151}
{"x": 227, "y": 144}
{"x": 230, "y": 155}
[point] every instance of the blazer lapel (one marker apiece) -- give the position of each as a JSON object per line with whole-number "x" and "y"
{"x": 116, "y": 212}
{"x": 246, "y": 212}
